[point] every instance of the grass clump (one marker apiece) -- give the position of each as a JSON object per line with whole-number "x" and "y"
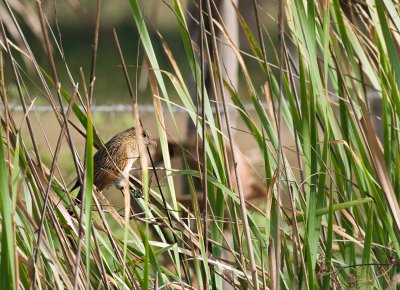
{"x": 323, "y": 212}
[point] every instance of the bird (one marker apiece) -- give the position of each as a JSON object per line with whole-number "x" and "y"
{"x": 113, "y": 161}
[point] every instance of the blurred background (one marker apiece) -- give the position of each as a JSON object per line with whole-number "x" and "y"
{"x": 73, "y": 24}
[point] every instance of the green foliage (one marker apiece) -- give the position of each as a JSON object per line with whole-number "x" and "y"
{"x": 337, "y": 218}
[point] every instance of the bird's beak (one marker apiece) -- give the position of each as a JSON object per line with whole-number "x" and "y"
{"x": 153, "y": 142}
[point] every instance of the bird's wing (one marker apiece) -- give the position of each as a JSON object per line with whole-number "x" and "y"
{"x": 109, "y": 162}
{"x": 103, "y": 178}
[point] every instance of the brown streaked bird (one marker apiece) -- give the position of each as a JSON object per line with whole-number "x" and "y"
{"x": 113, "y": 161}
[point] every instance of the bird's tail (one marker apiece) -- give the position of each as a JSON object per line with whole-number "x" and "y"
{"x": 79, "y": 196}
{"x": 77, "y": 184}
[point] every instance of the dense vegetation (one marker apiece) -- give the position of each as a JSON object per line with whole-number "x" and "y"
{"x": 330, "y": 216}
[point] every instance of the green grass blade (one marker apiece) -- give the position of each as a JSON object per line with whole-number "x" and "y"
{"x": 8, "y": 275}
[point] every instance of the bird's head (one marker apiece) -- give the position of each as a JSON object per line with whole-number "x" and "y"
{"x": 148, "y": 140}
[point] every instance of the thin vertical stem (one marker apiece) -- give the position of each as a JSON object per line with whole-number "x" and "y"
{"x": 81, "y": 230}
{"x": 94, "y": 51}
{"x": 279, "y": 162}
{"x": 203, "y": 126}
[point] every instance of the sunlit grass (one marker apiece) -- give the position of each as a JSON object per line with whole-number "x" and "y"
{"x": 327, "y": 210}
